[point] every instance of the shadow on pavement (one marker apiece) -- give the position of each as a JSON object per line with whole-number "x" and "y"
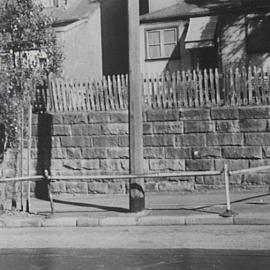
{"x": 102, "y": 207}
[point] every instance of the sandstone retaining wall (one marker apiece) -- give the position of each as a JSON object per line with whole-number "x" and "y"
{"x": 174, "y": 140}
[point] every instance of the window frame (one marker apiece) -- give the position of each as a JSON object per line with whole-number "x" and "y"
{"x": 162, "y": 43}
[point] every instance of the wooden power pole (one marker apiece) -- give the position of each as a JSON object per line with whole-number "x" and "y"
{"x": 136, "y": 190}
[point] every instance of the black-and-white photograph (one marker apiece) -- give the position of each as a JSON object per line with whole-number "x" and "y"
{"x": 134, "y": 134}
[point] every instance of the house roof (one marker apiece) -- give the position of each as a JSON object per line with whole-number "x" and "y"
{"x": 78, "y": 10}
{"x": 193, "y": 8}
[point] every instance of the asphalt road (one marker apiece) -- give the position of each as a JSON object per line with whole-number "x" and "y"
{"x": 141, "y": 248}
{"x": 117, "y": 259}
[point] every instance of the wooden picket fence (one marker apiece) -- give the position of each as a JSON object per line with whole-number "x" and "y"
{"x": 196, "y": 88}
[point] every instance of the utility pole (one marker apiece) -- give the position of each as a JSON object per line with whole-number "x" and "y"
{"x": 136, "y": 186}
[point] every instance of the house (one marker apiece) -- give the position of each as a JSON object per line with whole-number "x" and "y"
{"x": 93, "y": 34}
{"x": 190, "y": 34}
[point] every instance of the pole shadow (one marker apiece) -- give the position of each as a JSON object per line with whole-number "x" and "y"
{"x": 44, "y": 146}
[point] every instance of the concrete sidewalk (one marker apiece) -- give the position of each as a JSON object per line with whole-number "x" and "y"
{"x": 252, "y": 208}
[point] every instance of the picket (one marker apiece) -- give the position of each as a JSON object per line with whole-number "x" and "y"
{"x": 239, "y": 86}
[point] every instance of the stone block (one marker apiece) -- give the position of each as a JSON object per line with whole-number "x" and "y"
{"x": 61, "y": 130}
{"x": 168, "y": 127}
{"x": 262, "y": 139}
{"x": 176, "y": 186}
{"x": 74, "y": 153}
{"x": 266, "y": 151}
{"x": 31, "y": 222}
{"x": 200, "y": 165}
{"x": 252, "y": 125}
{"x": 195, "y": 114}
{"x": 57, "y": 119}
{"x": 76, "y": 130}
{"x": 56, "y": 153}
{"x": 233, "y": 165}
{"x": 225, "y": 139}
{"x": 76, "y": 141}
{"x": 77, "y": 118}
{"x": 56, "y": 142}
{"x": 147, "y": 128}
{"x": 153, "y": 152}
{"x": 256, "y": 179}
{"x": 213, "y": 180}
{"x": 98, "y": 188}
{"x": 114, "y": 129}
{"x": 123, "y": 141}
{"x": 209, "y": 219}
{"x": 92, "y": 153}
{"x": 91, "y": 129}
{"x": 159, "y": 140}
{"x": 116, "y": 188}
{"x": 161, "y": 115}
{"x": 190, "y": 140}
{"x": 206, "y": 152}
{"x": 114, "y": 165}
{"x": 161, "y": 220}
{"x": 59, "y": 222}
{"x": 99, "y": 117}
{"x": 105, "y": 141}
{"x": 77, "y": 187}
{"x": 151, "y": 186}
{"x": 227, "y": 126}
{"x": 256, "y": 112}
{"x": 118, "y": 221}
{"x": 167, "y": 164}
{"x": 259, "y": 162}
{"x": 58, "y": 187}
{"x": 87, "y": 222}
{"x": 251, "y": 219}
{"x": 114, "y": 153}
{"x": 73, "y": 164}
{"x": 199, "y": 126}
{"x": 225, "y": 113}
{"x": 90, "y": 164}
{"x": 250, "y": 152}
{"x": 119, "y": 117}
{"x": 177, "y": 153}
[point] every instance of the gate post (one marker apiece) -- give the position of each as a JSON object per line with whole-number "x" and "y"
{"x": 136, "y": 186}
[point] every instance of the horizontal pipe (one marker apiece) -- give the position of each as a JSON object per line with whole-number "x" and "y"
{"x": 23, "y": 179}
{"x": 250, "y": 170}
{"x": 131, "y": 176}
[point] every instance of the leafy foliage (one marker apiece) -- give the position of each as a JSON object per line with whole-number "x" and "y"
{"x": 28, "y": 51}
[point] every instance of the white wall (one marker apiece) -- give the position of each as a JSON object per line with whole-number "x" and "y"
{"x": 159, "y": 4}
{"x": 82, "y": 47}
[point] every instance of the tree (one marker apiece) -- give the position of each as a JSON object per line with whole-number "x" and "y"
{"x": 28, "y": 51}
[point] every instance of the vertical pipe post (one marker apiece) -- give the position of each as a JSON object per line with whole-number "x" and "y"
{"x": 46, "y": 174}
{"x": 28, "y": 200}
{"x": 21, "y": 151}
{"x": 227, "y": 187}
{"x": 228, "y": 212}
{"x": 136, "y": 190}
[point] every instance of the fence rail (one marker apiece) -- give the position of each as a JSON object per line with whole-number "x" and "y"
{"x": 192, "y": 88}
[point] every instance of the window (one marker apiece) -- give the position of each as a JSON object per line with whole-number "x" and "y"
{"x": 162, "y": 43}
{"x": 258, "y": 31}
